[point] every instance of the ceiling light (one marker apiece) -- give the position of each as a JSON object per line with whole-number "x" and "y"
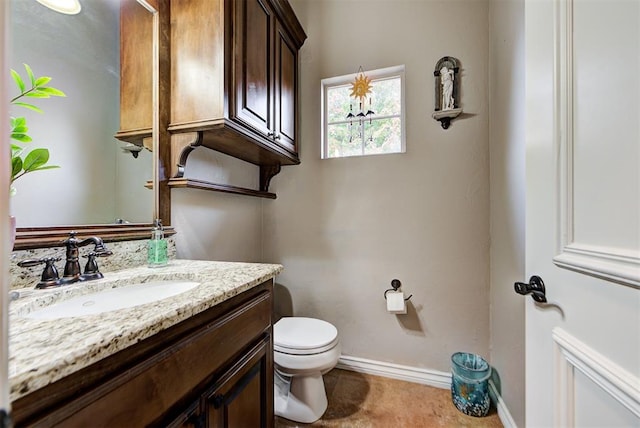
{"x": 68, "y": 7}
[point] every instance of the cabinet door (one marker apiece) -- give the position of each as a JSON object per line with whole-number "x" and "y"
{"x": 243, "y": 397}
{"x": 253, "y": 68}
{"x": 192, "y": 417}
{"x": 285, "y": 85}
{"x": 136, "y": 65}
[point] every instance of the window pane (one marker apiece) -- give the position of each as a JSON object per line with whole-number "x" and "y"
{"x": 338, "y": 103}
{"x": 386, "y": 97}
{"x": 384, "y": 100}
{"x": 383, "y": 136}
{"x": 338, "y": 143}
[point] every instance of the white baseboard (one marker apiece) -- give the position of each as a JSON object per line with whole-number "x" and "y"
{"x": 503, "y": 411}
{"x": 429, "y": 377}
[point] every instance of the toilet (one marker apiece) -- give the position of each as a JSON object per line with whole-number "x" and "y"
{"x": 304, "y": 350}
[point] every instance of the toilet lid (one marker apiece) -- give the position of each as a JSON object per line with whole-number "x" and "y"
{"x": 298, "y": 335}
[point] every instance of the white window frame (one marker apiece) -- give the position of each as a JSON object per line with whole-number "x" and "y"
{"x": 346, "y": 80}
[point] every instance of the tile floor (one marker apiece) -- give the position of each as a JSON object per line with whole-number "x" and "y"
{"x": 360, "y": 400}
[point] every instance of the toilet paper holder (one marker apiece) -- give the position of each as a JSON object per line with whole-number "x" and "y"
{"x": 395, "y": 284}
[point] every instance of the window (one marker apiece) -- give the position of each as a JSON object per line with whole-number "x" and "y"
{"x": 378, "y": 133}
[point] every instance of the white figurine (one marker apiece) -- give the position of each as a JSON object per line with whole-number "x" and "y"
{"x": 446, "y": 79}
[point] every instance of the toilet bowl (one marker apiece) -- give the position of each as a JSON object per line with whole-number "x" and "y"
{"x": 304, "y": 350}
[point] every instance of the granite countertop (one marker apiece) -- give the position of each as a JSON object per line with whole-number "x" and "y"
{"x": 43, "y": 351}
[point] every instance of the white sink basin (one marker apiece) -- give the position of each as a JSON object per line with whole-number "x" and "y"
{"x": 113, "y": 298}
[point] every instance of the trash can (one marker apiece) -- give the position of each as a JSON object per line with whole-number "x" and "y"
{"x": 470, "y": 383}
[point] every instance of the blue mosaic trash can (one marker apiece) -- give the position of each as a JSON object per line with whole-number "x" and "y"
{"x": 470, "y": 384}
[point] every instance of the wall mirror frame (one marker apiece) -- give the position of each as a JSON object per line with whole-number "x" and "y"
{"x": 42, "y": 237}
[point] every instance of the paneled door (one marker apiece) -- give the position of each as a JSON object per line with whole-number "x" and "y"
{"x": 583, "y": 212}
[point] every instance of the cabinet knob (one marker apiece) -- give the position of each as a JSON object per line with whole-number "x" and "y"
{"x": 277, "y": 137}
{"x": 271, "y": 134}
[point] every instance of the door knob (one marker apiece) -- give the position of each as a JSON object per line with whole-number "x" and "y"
{"x": 535, "y": 287}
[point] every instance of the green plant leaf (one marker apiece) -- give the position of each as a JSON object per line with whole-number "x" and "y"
{"x": 18, "y": 80}
{"x": 16, "y": 167}
{"x": 32, "y": 78}
{"x": 36, "y": 94}
{"x": 20, "y": 129}
{"x": 35, "y": 159}
{"x": 16, "y": 122}
{"x": 52, "y": 91}
{"x": 28, "y": 106}
{"x": 44, "y": 167}
{"x": 41, "y": 81}
{"x": 23, "y": 138}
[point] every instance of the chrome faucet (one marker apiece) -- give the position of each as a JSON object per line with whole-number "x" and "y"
{"x": 72, "y": 273}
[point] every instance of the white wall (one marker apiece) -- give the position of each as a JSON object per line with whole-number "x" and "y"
{"x": 507, "y": 160}
{"x": 344, "y": 228}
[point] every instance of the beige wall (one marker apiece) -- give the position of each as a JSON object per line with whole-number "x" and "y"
{"x": 507, "y": 154}
{"x": 213, "y": 225}
{"x": 344, "y": 228}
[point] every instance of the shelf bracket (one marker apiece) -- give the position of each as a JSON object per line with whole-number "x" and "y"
{"x": 181, "y": 147}
{"x": 267, "y": 172}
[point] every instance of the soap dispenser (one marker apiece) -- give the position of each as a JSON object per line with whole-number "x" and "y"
{"x": 157, "y": 255}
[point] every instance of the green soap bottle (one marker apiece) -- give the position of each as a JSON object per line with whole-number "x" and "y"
{"x": 157, "y": 252}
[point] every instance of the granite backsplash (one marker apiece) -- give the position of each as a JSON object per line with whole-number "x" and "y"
{"x": 126, "y": 254}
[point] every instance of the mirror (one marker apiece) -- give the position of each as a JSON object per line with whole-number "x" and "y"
{"x": 98, "y": 182}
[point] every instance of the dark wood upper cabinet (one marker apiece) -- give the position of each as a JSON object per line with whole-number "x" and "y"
{"x": 234, "y": 72}
{"x": 136, "y": 73}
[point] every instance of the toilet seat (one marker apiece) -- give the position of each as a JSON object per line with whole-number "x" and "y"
{"x": 303, "y": 336}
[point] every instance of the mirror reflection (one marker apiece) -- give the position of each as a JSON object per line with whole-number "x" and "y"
{"x": 98, "y": 182}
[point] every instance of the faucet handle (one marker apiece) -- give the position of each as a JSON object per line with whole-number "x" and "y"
{"x": 91, "y": 268}
{"x": 50, "y": 276}
{"x": 99, "y": 248}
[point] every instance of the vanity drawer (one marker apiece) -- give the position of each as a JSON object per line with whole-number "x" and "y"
{"x": 144, "y": 392}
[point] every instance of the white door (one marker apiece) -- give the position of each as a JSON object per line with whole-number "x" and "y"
{"x": 583, "y": 212}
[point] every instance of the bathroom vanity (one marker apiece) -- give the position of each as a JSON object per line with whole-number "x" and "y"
{"x": 201, "y": 358}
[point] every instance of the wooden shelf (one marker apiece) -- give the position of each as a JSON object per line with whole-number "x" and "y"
{"x": 226, "y": 188}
